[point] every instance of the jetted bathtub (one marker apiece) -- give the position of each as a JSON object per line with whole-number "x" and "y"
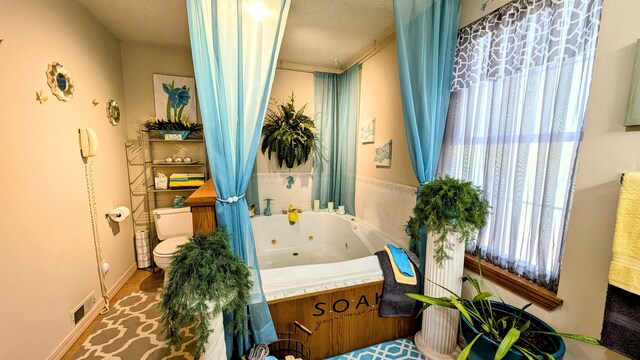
{"x": 322, "y": 251}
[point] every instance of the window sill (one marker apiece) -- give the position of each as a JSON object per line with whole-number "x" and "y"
{"x": 538, "y": 295}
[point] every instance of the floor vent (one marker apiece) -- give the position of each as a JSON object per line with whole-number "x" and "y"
{"x": 81, "y": 310}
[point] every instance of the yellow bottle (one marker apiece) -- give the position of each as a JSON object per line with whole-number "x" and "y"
{"x": 293, "y": 215}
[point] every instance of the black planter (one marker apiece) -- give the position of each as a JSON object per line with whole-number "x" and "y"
{"x": 485, "y": 348}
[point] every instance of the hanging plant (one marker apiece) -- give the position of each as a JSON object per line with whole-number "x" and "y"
{"x": 204, "y": 272}
{"x": 447, "y": 206}
{"x": 288, "y": 133}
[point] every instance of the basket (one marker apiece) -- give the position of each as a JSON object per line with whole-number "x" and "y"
{"x": 292, "y": 343}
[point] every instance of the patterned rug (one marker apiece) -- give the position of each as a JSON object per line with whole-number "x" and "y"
{"x": 401, "y": 349}
{"x": 132, "y": 330}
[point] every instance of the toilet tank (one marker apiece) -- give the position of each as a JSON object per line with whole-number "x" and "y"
{"x": 173, "y": 222}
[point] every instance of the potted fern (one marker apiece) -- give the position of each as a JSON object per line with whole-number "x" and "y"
{"x": 496, "y": 330}
{"x": 206, "y": 278}
{"x": 289, "y": 134}
{"x": 452, "y": 211}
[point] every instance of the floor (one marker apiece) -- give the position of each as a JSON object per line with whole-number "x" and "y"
{"x": 144, "y": 280}
{"x": 133, "y": 284}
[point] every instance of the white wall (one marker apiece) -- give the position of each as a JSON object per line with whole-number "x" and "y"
{"x": 380, "y": 98}
{"x": 385, "y": 196}
{"x": 47, "y": 259}
{"x": 608, "y": 149}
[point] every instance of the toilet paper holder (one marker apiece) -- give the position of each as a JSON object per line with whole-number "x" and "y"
{"x": 118, "y": 214}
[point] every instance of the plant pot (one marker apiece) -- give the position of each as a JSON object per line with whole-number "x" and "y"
{"x": 485, "y": 348}
{"x": 175, "y": 134}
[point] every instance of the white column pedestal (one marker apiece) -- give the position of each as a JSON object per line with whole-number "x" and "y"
{"x": 439, "y": 335}
{"x": 216, "y": 348}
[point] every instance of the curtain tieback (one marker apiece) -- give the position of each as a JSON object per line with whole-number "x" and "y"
{"x": 232, "y": 199}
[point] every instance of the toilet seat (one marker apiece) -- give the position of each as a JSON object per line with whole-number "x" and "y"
{"x": 169, "y": 246}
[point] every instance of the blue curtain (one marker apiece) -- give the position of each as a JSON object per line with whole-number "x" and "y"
{"x": 337, "y": 101}
{"x": 235, "y": 44}
{"x": 426, "y": 32}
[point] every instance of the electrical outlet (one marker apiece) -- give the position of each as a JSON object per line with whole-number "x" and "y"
{"x": 81, "y": 310}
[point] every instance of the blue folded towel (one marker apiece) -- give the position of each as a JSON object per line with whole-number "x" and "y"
{"x": 401, "y": 260}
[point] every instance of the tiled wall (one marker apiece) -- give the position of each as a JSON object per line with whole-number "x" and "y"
{"x": 274, "y": 186}
{"x": 384, "y": 205}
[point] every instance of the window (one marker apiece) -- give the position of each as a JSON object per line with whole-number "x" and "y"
{"x": 515, "y": 121}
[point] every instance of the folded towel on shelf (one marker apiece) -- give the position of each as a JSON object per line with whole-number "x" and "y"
{"x": 401, "y": 260}
{"x": 624, "y": 271}
{"x": 186, "y": 184}
{"x": 394, "y": 302}
{"x": 182, "y": 180}
{"x": 178, "y": 177}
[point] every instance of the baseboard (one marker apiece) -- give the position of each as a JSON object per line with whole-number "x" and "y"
{"x": 83, "y": 324}
{"x": 123, "y": 280}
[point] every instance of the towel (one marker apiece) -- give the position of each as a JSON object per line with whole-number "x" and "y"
{"x": 399, "y": 276}
{"x": 624, "y": 271}
{"x": 401, "y": 260}
{"x": 621, "y": 326}
{"x": 394, "y": 302}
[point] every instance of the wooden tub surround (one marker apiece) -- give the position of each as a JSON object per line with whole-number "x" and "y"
{"x": 341, "y": 320}
{"x": 203, "y": 208}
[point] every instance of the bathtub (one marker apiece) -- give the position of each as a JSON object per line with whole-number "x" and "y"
{"x": 322, "y": 251}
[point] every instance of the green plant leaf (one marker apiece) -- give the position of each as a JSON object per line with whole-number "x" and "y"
{"x": 528, "y": 354}
{"x": 204, "y": 271}
{"x": 289, "y": 134}
{"x": 445, "y": 289}
{"x": 422, "y": 309}
{"x": 482, "y": 296}
{"x": 444, "y": 302}
{"x": 473, "y": 282}
{"x": 461, "y": 308}
{"x": 505, "y": 345}
{"x": 445, "y": 206}
{"x": 464, "y": 354}
{"x": 581, "y": 338}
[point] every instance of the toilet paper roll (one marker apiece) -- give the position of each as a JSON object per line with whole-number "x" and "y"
{"x": 142, "y": 234}
{"x": 119, "y": 214}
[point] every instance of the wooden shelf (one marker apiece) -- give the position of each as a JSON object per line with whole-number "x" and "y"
{"x": 175, "y": 141}
{"x": 531, "y": 291}
{"x": 172, "y": 190}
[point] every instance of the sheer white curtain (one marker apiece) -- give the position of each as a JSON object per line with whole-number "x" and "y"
{"x": 520, "y": 88}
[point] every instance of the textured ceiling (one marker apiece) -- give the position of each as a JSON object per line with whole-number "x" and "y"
{"x": 318, "y": 32}
{"x": 321, "y": 31}
{"x": 161, "y": 22}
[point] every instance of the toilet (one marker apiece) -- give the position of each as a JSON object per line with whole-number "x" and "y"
{"x": 174, "y": 226}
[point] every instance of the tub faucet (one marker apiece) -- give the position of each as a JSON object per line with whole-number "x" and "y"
{"x": 267, "y": 211}
{"x": 293, "y": 214}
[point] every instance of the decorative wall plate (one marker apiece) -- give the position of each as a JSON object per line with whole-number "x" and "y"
{"x": 113, "y": 112}
{"x": 60, "y": 81}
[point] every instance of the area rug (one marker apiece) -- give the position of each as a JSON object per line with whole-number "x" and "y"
{"x": 132, "y": 330}
{"x": 401, "y": 349}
